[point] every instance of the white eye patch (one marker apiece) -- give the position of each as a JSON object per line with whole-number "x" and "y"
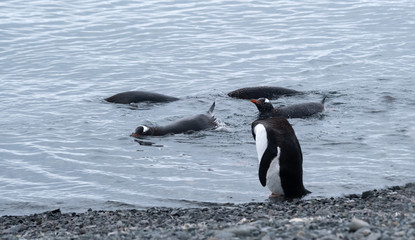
{"x": 266, "y": 100}
{"x": 145, "y": 129}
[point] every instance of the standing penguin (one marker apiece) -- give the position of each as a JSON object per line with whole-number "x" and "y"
{"x": 280, "y": 157}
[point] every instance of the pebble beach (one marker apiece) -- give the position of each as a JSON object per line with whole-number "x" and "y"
{"x": 375, "y": 214}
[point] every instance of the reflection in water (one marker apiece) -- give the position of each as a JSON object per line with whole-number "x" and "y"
{"x": 147, "y": 143}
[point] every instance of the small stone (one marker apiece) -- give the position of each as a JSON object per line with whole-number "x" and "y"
{"x": 351, "y": 196}
{"x": 13, "y": 229}
{"x": 367, "y": 194}
{"x": 300, "y": 234}
{"x": 400, "y": 233}
{"x": 115, "y": 233}
{"x": 297, "y": 221}
{"x": 223, "y": 235}
{"x": 174, "y": 212}
{"x": 56, "y": 211}
{"x": 81, "y": 231}
{"x": 356, "y": 224}
{"x": 243, "y": 220}
{"x": 243, "y": 230}
{"x": 395, "y": 188}
{"x": 323, "y": 212}
{"x": 374, "y": 236}
{"x": 182, "y": 235}
{"x": 364, "y": 231}
{"x": 119, "y": 223}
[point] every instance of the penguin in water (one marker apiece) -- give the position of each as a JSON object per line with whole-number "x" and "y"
{"x": 139, "y": 96}
{"x": 194, "y": 123}
{"x": 262, "y": 91}
{"x": 300, "y": 110}
{"x": 280, "y": 157}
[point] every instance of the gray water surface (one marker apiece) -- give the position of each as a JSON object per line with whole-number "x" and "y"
{"x": 62, "y": 146}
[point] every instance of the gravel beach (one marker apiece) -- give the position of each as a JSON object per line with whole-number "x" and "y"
{"x": 375, "y": 214}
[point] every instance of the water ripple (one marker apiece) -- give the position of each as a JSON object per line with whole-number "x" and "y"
{"x": 62, "y": 145}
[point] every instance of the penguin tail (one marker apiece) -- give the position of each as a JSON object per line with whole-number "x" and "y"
{"x": 323, "y": 100}
{"x": 210, "y": 111}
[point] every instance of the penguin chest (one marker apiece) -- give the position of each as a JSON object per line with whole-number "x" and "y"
{"x": 273, "y": 180}
{"x": 273, "y": 177}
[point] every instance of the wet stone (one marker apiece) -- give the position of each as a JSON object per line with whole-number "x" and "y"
{"x": 390, "y": 212}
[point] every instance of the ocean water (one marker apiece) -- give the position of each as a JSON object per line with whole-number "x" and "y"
{"x": 63, "y": 146}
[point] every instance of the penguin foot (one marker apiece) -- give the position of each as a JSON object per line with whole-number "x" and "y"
{"x": 274, "y": 195}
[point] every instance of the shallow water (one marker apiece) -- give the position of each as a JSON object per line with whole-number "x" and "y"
{"x": 62, "y": 146}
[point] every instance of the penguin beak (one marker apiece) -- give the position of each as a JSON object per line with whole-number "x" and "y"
{"x": 255, "y": 101}
{"x": 134, "y": 135}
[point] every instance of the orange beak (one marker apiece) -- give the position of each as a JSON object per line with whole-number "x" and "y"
{"x": 134, "y": 135}
{"x": 254, "y": 101}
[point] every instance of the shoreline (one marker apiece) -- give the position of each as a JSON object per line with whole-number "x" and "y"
{"x": 376, "y": 214}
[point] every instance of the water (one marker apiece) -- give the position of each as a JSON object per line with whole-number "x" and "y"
{"x": 62, "y": 146}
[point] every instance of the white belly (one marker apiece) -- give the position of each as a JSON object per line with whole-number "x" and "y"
{"x": 273, "y": 173}
{"x": 273, "y": 177}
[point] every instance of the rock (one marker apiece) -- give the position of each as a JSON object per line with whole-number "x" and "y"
{"x": 56, "y": 211}
{"x": 119, "y": 223}
{"x": 395, "y": 188}
{"x": 367, "y": 194}
{"x": 410, "y": 232}
{"x": 240, "y": 231}
{"x": 113, "y": 234}
{"x": 266, "y": 237}
{"x": 364, "y": 231}
{"x": 223, "y": 235}
{"x": 81, "y": 231}
{"x": 374, "y": 236}
{"x": 181, "y": 235}
{"x": 323, "y": 212}
{"x": 243, "y": 230}
{"x": 13, "y": 229}
{"x": 356, "y": 224}
{"x": 389, "y": 213}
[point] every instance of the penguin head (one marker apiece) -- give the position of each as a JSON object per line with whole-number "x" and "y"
{"x": 142, "y": 131}
{"x": 263, "y": 105}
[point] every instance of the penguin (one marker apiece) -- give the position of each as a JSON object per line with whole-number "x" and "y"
{"x": 300, "y": 110}
{"x": 280, "y": 157}
{"x": 139, "y": 96}
{"x": 262, "y": 92}
{"x": 184, "y": 125}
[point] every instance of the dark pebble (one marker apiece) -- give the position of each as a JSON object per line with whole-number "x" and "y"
{"x": 376, "y": 214}
{"x": 368, "y": 194}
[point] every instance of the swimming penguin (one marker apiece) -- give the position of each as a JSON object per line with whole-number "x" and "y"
{"x": 139, "y": 96}
{"x": 195, "y": 123}
{"x": 300, "y": 110}
{"x": 262, "y": 92}
{"x": 280, "y": 157}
